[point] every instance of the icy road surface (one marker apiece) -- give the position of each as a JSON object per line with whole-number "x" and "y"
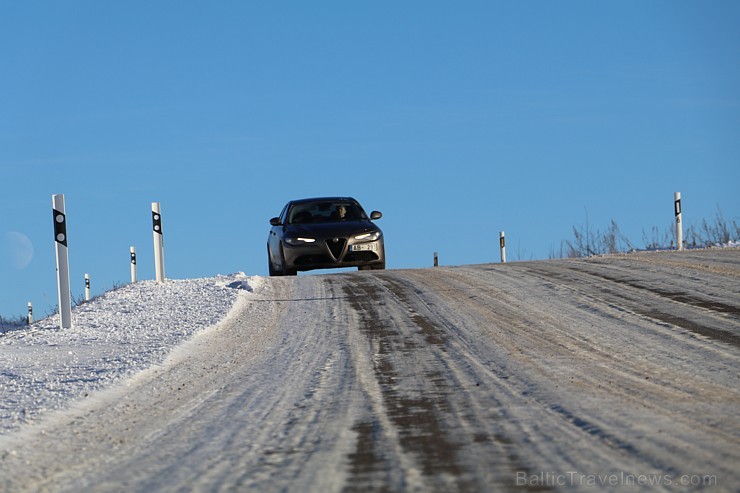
{"x": 605, "y": 373}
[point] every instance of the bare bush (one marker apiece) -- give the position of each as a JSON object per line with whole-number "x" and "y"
{"x": 587, "y": 242}
{"x": 9, "y": 323}
{"x": 659, "y": 240}
{"x": 721, "y": 232}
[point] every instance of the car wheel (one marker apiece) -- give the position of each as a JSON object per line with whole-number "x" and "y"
{"x": 372, "y": 267}
{"x": 271, "y": 268}
{"x": 286, "y": 271}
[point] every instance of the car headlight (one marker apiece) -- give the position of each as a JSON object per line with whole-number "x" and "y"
{"x": 368, "y": 236}
{"x": 299, "y": 241}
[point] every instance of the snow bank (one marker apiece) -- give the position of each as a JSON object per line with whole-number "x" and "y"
{"x": 114, "y": 336}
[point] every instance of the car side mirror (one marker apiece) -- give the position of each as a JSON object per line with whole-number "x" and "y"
{"x": 376, "y": 215}
{"x": 275, "y": 221}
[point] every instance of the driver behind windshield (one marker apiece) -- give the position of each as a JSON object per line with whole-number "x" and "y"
{"x": 345, "y": 212}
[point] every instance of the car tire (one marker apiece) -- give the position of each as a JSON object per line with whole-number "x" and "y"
{"x": 285, "y": 270}
{"x": 372, "y": 267}
{"x": 271, "y": 268}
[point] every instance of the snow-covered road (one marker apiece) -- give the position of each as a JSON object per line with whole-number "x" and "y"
{"x": 554, "y": 375}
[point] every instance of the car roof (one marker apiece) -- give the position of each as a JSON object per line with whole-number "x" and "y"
{"x": 323, "y": 199}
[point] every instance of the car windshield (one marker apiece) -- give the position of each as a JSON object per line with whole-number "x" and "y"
{"x": 325, "y": 212}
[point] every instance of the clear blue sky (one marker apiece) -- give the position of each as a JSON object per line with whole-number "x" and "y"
{"x": 455, "y": 119}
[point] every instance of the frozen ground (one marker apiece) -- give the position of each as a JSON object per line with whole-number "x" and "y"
{"x": 618, "y": 373}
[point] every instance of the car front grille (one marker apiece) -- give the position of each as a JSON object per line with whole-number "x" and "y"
{"x": 336, "y": 246}
{"x": 305, "y": 260}
{"x": 360, "y": 257}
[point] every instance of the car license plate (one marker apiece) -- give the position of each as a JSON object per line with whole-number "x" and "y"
{"x": 364, "y": 247}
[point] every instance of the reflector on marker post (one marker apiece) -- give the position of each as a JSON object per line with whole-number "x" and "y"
{"x": 679, "y": 226}
{"x": 62, "y": 255}
{"x": 87, "y": 287}
{"x": 502, "y": 241}
{"x": 158, "y": 241}
{"x": 133, "y": 264}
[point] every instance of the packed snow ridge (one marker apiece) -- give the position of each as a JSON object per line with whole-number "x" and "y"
{"x": 114, "y": 336}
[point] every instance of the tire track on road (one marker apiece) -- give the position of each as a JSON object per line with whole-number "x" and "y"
{"x": 646, "y": 299}
{"x": 425, "y": 392}
{"x": 415, "y": 417}
{"x": 537, "y": 328}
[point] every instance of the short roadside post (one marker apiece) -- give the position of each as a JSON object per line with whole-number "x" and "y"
{"x": 502, "y": 242}
{"x": 29, "y": 318}
{"x": 62, "y": 255}
{"x": 132, "y": 250}
{"x": 158, "y": 241}
{"x": 436, "y": 259}
{"x": 679, "y": 226}
{"x": 87, "y": 287}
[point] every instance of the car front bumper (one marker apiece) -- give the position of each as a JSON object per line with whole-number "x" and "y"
{"x": 334, "y": 252}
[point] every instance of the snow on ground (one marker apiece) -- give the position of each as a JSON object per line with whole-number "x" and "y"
{"x": 114, "y": 336}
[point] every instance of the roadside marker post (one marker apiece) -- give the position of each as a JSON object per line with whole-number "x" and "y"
{"x": 29, "y": 318}
{"x": 679, "y": 226}
{"x": 436, "y": 259}
{"x": 502, "y": 242}
{"x": 62, "y": 256}
{"x": 132, "y": 250}
{"x": 87, "y": 287}
{"x": 158, "y": 241}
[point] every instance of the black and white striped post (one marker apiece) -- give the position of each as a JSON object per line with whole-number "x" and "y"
{"x": 29, "y": 317}
{"x": 502, "y": 242}
{"x": 87, "y": 287}
{"x": 62, "y": 255}
{"x": 679, "y": 226}
{"x": 132, "y": 250}
{"x": 158, "y": 241}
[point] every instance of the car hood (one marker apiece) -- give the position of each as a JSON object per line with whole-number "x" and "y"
{"x": 332, "y": 230}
